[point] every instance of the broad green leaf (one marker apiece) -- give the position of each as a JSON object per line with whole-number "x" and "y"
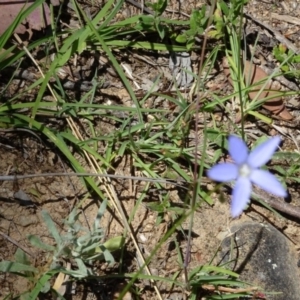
{"x": 42, "y": 284}
{"x": 36, "y": 242}
{"x": 15, "y": 267}
{"x": 20, "y": 257}
{"x": 51, "y": 227}
{"x": 181, "y": 38}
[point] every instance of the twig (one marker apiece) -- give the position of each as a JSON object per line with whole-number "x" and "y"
{"x": 286, "y": 18}
{"x": 291, "y": 210}
{"x": 16, "y": 243}
{"x": 286, "y": 208}
{"x": 276, "y": 33}
{"x": 156, "y": 180}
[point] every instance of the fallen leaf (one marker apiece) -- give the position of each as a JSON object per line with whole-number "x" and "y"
{"x": 37, "y": 20}
{"x": 253, "y": 74}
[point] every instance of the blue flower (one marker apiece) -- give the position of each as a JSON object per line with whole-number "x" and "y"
{"x": 246, "y": 170}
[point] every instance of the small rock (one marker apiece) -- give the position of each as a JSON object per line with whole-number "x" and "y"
{"x": 180, "y": 66}
{"x": 23, "y": 198}
{"x": 264, "y": 258}
{"x": 26, "y": 220}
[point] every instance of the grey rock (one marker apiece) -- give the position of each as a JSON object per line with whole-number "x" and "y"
{"x": 180, "y": 66}
{"x": 23, "y": 198}
{"x": 263, "y": 257}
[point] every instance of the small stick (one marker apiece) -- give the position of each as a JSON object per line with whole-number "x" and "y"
{"x": 19, "y": 177}
{"x": 286, "y": 208}
{"x": 286, "y": 18}
{"x": 16, "y": 243}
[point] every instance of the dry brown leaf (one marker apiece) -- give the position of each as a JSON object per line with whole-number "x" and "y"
{"x": 38, "y": 19}
{"x": 253, "y": 75}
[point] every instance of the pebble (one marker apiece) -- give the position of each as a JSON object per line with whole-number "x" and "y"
{"x": 263, "y": 257}
{"x": 26, "y": 220}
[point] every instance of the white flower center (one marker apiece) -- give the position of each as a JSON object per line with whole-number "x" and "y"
{"x": 244, "y": 170}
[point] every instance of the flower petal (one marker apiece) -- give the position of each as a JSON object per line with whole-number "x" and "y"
{"x": 268, "y": 182}
{"x": 240, "y": 196}
{"x": 237, "y": 149}
{"x": 223, "y": 172}
{"x": 263, "y": 153}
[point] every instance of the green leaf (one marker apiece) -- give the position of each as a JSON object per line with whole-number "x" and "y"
{"x": 82, "y": 268}
{"x": 297, "y": 179}
{"x": 21, "y": 257}
{"x": 159, "y": 7}
{"x": 158, "y": 207}
{"x": 146, "y": 21}
{"x": 100, "y": 214}
{"x": 206, "y": 197}
{"x": 181, "y": 38}
{"x": 296, "y": 59}
{"x": 143, "y": 45}
{"x": 216, "y": 34}
{"x": 36, "y": 242}
{"x": 161, "y": 29}
{"x": 107, "y": 255}
{"x": 280, "y": 170}
{"x": 114, "y": 243}
{"x": 217, "y": 137}
{"x": 51, "y": 227}
{"x": 193, "y": 20}
{"x": 104, "y": 13}
{"x": 42, "y": 284}
{"x": 285, "y": 68}
{"x": 15, "y": 267}
{"x": 224, "y": 8}
{"x": 190, "y": 44}
{"x": 198, "y": 20}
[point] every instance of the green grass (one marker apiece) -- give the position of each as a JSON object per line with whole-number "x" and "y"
{"x": 150, "y": 143}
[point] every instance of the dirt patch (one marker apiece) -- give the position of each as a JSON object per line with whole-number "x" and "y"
{"x": 23, "y": 200}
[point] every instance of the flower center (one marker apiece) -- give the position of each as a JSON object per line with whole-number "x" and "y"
{"x": 244, "y": 170}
